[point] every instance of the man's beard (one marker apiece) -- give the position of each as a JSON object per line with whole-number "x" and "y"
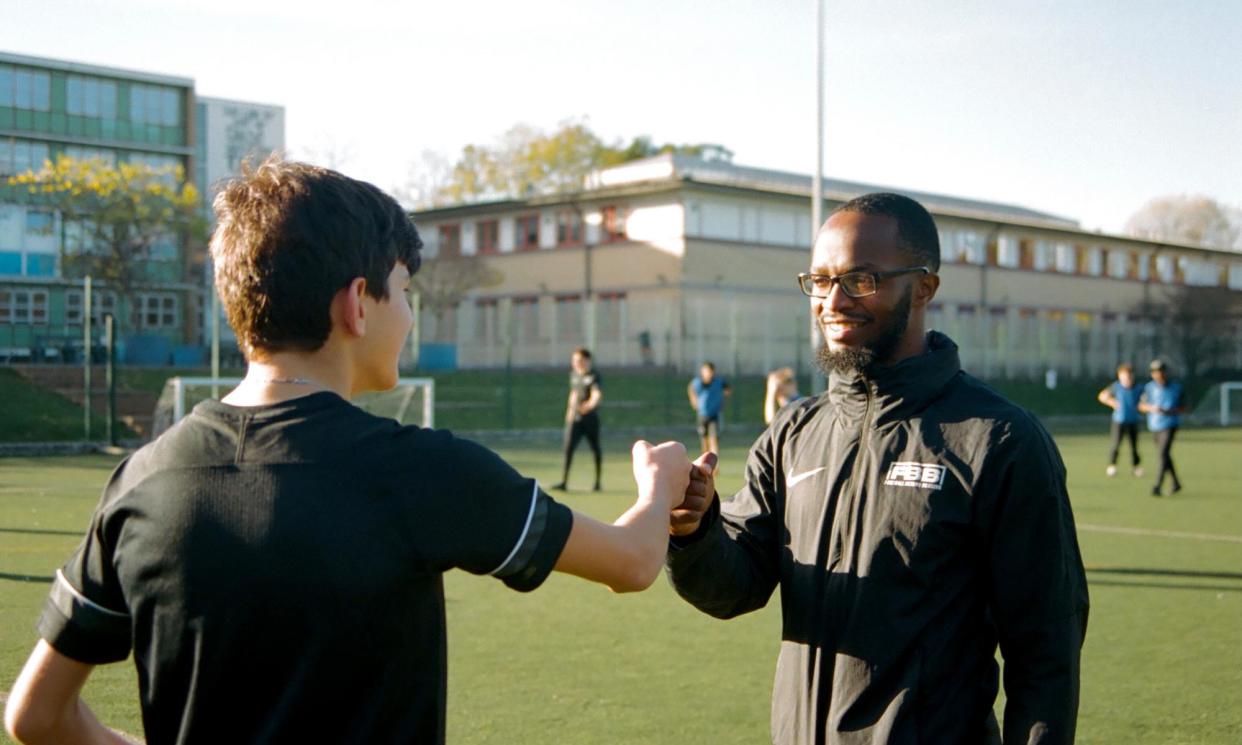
{"x": 865, "y": 358}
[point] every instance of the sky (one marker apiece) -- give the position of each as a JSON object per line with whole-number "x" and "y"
{"x": 1084, "y": 109}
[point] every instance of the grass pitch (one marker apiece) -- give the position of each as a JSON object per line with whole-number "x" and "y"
{"x": 572, "y": 663}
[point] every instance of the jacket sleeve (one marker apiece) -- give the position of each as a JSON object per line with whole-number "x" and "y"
{"x": 730, "y": 566}
{"x": 1037, "y": 589}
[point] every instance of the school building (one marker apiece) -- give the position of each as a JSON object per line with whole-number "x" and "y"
{"x": 50, "y": 108}
{"x": 675, "y": 260}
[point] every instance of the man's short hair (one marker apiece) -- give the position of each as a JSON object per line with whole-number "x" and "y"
{"x": 289, "y": 237}
{"x": 709, "y": 365}
{"x": 916, "y": 230}
{"x": 586, "y": 353}
{"x": 1125, "y": 367}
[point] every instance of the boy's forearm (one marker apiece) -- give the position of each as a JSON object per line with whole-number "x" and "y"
{"x": 645, "y": 530}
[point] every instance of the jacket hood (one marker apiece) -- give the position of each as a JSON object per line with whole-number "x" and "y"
{"x": 896, "y": 391}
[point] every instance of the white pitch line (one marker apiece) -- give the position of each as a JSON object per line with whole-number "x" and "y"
{"x": 1161, "y": 533}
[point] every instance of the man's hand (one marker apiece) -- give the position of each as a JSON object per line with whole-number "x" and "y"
{"x": 662, "y": 472}
{"x": 686, "y": 516}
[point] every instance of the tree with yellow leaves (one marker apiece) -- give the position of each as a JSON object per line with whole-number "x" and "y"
{"x": 118, "y": 217}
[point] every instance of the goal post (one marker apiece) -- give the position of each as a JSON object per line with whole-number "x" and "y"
{"x": 1221, "y": 405}
{"x": 411, "y": 401}
{"x": 1230, "y": 395}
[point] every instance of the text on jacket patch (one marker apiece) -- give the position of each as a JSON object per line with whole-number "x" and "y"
{"x": 920, "y": 475}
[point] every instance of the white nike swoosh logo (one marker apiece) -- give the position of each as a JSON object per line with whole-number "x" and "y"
{"x": 796, "y": 479}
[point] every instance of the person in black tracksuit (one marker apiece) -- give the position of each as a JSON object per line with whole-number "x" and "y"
{"x": 582, "y": 414}
{"x": 912, "y": 517}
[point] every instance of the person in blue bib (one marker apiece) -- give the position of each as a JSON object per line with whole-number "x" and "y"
{"x": 1122, "y": 396}
{"x": 1163, "y": 402}
{"x": 707, "y": 393}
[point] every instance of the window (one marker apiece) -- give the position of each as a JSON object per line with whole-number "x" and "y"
{"x": 526, "y": 236}
{"x": 485, "y": 319}
{"x": 19, "y": 156}
{"x": 1008, "y": 251}
{"x": 488, "y": 232}
{"x": 609, "y": 310}
{"x": 569, "y": 317}
{"x": 450, "y": 240}
{"x": 39, "y": 222}
{"x": 1092, "y": 262}
{"x": 526, "y": 318}
{"x": 11, "y": 262}
{"x": 568, "y": 228}
{"x": 612, "y": 224}
{"x": 1066, "y": 258}
{"x": 149, "y": 104}
{"x": 1118, "y": 263}
{"x": 23, "y": 306}
{"x": 90, "y": 97}
{"x": 155, "y": 310}
{"x": 1166, "y": 269}
{"x": 25, "y": 89}
{"x": 1044, "y": 256}
{"x": 102, "y": 303}
{"x": 40, "y": 265}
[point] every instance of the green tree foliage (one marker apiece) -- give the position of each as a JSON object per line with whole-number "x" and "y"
{"x": 116, "y": 217}
{"x": 527, "y": 161}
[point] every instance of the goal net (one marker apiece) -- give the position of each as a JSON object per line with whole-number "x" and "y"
{"x": 412, "y": 401}
{"x": 1221, "y": 405}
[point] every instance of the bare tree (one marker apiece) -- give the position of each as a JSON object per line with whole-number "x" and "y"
{"x": 426, "y": 182}
{"x": 1193, "y": 219}
{"x": 444, "y": 281}
{"x": 1196, "y": 326}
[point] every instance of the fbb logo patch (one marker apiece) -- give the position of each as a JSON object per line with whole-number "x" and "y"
{"x": 919, "y": 475}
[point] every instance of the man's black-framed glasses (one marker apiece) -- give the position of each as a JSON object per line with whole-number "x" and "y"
{"x": 853, "y": 284}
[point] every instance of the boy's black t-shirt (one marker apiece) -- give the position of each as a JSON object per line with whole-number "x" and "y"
{"x": 276, "y": 571}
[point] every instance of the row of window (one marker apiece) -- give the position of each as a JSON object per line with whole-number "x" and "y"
{"x": 24, "y": 88}
{"x": 149, "y": 311}
{"x": 570, "y": 231}
{"x": 970, "y": 247}
{"x": 568, "y": 316}
{"x": 20, "y": 156}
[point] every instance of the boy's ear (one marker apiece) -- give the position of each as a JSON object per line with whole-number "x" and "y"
{"x": 348, "y": 310}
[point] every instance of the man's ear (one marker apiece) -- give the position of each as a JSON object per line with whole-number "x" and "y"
{"x": 348, "y": 310}
{"x": 925, "y": 289}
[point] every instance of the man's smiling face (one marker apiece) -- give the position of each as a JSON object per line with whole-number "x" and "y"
{"x": 860, "y": 331}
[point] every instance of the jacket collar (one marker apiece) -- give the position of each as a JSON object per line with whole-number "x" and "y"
{"x": 896, "y": 391}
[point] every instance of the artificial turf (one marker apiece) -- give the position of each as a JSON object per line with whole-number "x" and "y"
{"x": 572, "y": 663}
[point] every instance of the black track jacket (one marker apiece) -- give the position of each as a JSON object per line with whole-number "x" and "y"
{"x": 914, "y": 519}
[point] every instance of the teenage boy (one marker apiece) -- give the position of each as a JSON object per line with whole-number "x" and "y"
{"x": 1164, "y": 403}
{"x": 582, "y": 414}
{"x": 275, "y": 561}
{"x": 707, "y": 393}
{"x": 1122, "y": 396}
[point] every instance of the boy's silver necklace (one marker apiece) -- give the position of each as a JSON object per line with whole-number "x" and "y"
{"x": 289, "y": 381}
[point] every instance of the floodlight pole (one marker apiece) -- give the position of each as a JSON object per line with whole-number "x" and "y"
{"x": 817, "y": 187}
{"x": 86, "y": 368}
{"x": 110, "y": 371}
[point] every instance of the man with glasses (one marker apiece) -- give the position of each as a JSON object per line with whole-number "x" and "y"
{"x": 913, "y": 518}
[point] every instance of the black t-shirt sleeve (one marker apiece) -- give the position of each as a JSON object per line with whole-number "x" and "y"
{"x": 85, "y": 617}
{"x": 492, "y": 520}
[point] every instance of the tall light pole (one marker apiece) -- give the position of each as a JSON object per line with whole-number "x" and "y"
{"x": 590, "y": 221}
{"x": 817, "y": 187}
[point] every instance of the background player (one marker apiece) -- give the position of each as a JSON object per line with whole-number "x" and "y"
{"x": 581, "y": 413}
{"x": 1122, "y": 396}
{"x": 707, "y": 393}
